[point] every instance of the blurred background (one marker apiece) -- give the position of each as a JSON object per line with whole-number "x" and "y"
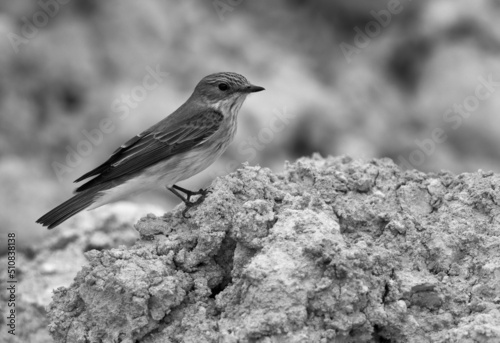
{"x": 416, "y": 81}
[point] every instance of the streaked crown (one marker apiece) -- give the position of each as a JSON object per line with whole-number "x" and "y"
{"x": 232, "y": 79}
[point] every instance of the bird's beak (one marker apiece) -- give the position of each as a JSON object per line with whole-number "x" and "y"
{"x": 252, "y": 89}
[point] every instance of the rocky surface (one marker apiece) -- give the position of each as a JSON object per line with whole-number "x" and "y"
{"x": 54, "y": 262}
{"x": 330, "y": 250}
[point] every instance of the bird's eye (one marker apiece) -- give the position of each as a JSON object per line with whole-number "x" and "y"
{"x": 223, "y": 86}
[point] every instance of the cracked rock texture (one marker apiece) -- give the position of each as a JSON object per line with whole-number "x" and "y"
{"x": 330, "y": 250}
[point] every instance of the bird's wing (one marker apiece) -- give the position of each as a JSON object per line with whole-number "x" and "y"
{"x": 158, "y": 143}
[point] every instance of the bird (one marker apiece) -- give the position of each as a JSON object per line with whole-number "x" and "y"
{"x": 179, "y": 146}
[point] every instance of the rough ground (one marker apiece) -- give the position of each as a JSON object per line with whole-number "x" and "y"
{"x": 330, "y": 250}
{"x": 53, "y": 263}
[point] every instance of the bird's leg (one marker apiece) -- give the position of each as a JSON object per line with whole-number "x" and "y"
{"x": 176, "y": 190}
{"x": 189, "y": 194}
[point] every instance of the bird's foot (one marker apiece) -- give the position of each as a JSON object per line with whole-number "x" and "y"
{"x": 187, "y": 199}
{"x": 201, "y": 191}
{"x": 189, "y": 204}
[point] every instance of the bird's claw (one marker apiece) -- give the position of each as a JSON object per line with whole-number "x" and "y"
{"x": 204, "y": 192}
{"x": 189, "y": 204}
{"x": 185, "y": 211}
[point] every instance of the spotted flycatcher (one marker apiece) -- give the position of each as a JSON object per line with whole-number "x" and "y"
{"x": 176, "y": 148}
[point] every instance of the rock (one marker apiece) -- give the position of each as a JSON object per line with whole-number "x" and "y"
{"x": 53, "y": 263}
{"x": 330, "y": 250}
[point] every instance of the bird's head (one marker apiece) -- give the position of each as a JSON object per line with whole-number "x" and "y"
{"x": 221, "y": 89}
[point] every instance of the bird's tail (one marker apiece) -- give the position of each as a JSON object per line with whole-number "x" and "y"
{"x": 69, "y": 208}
